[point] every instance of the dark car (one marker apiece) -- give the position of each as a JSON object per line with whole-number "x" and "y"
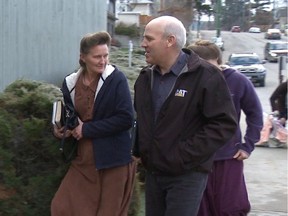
{"x": 250, "y": 65}
{"x": 235, "y": 29}
{"x": 273, "y": 34}
{"x": 274, "y": 49}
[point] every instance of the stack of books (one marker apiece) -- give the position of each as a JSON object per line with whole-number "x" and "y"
{"x": 58, "y": 114}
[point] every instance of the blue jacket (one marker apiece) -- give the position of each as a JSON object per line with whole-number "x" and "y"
{"x": 245, "y": 99}
{"x": 112, "y": 118}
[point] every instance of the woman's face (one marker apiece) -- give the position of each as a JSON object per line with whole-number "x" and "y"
{"x": 97, "y": 58}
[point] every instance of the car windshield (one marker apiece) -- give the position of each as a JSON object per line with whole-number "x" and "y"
{"x": 244, "y": 60}
{"x": 279, "y": 46}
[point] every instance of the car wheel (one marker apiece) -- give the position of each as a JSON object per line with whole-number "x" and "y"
{"x": 262, "y": 83}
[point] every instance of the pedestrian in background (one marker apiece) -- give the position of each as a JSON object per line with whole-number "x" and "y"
{"x": 185, "y": 114}
{"x": 100, "y": 179}
{"x": 275, "y": 125}
{"x": 278, "y": 101}
{"x": 226, "y": 192}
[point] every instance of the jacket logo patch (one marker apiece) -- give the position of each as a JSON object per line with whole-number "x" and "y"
{"x": 180, "y": 93}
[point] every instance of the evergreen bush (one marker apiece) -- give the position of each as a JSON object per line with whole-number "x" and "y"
{"x": 128, "y": 30}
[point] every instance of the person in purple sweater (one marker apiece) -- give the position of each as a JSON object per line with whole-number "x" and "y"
{"x": 226, "y": 192}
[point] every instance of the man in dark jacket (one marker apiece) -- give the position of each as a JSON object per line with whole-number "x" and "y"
{"x": 184, "y": 113}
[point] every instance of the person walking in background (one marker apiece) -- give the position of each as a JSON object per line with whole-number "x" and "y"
{"x": 100, "y": 179}
{"x": 278, "y": 101}
{"x": 275, "y": 124}
{"x": 184, "y": 114}
{"x": 226, "y": 192}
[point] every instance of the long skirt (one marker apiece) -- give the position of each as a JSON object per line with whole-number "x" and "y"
{"x": 84, "y": 191}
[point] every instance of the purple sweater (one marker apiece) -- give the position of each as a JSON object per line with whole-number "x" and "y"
{"x": 245, "y": 99}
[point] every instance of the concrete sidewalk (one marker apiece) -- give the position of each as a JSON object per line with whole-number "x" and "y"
{"x": 266, "y": 179}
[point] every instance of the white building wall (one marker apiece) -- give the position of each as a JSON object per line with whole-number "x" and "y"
{"x": 143, "y": 8}
{"x": 129, "y": 18}
{"x": 40, "y": 38}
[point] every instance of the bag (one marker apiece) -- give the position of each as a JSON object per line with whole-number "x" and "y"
{"x": 69, "y": 147}
{"x": 65, "y": 116}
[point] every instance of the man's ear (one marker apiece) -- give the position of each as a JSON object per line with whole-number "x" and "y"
{"x": 171, "y": 39}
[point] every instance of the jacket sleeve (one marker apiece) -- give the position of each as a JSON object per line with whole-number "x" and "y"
{"x": 251, "y": 106}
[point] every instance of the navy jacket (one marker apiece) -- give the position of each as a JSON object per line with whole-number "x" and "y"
{"x": 112, "y": 118}
{"x": 197, "y": 118}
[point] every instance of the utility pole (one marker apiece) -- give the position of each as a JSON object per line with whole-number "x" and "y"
{"x": 218, "y": 14}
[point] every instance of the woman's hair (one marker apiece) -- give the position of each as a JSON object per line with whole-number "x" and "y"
{"x": 207, "y": 50}
{"x": 93, "y": 39}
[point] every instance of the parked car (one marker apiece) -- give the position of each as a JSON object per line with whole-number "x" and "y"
{"x": 273, "y": 34}
{"x": 254, "y": 30}
{"x": 219, "y": 42}
{"x": 274, "y": 49}
{"x": 250, "y": 65}
{"x": 286, "y": 29}
{"x": 235, "y": 29}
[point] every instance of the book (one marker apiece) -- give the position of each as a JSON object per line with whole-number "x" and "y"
{"x": 58, "y": 114}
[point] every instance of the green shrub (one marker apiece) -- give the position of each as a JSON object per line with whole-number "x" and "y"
{"x": 128, "y": 30}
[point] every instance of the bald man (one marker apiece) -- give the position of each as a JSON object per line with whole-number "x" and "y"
{"x": 184, "y": 115}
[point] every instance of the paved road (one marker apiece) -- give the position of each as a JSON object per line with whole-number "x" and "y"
{"x": 266, "y": 178}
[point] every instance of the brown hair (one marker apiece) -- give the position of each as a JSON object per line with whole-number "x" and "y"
{"x": 93, "y": 39}
{"x": 206, "y": 50}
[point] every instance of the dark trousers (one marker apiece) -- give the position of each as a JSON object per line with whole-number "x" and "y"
{"x": 226, "y": 193}
{"x": 174, "y": 195}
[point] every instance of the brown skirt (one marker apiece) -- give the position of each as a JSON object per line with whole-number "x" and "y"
{"x": 84, "y": 191}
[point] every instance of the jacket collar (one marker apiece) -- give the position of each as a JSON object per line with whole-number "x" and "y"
{"x": 72, "y": 79}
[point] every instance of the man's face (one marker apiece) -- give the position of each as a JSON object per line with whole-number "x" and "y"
{"x": 154, "y": 43}
{"x": 97, "y": 58}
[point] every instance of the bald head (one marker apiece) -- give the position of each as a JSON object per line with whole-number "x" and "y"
{"x": 170, "y": 26}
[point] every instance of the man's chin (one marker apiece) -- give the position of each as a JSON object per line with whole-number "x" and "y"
{"x": 148, "y": 60}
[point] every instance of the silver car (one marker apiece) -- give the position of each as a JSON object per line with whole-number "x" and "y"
{"x": 250, "y": 65}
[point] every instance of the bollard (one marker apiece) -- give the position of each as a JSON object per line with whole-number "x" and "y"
{"x": 282, "y": 66}
{"x": 130, "y": 53}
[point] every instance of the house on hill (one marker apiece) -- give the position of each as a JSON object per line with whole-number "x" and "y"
{"x": 135, "y": 12}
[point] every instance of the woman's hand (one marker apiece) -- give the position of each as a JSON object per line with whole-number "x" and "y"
{"x": 77, "y": 132}
{"x": 59, "y": 132}
{"x": 241, "y": 155}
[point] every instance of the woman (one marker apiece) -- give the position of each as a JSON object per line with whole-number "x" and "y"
{"x": 100, "y": 178}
